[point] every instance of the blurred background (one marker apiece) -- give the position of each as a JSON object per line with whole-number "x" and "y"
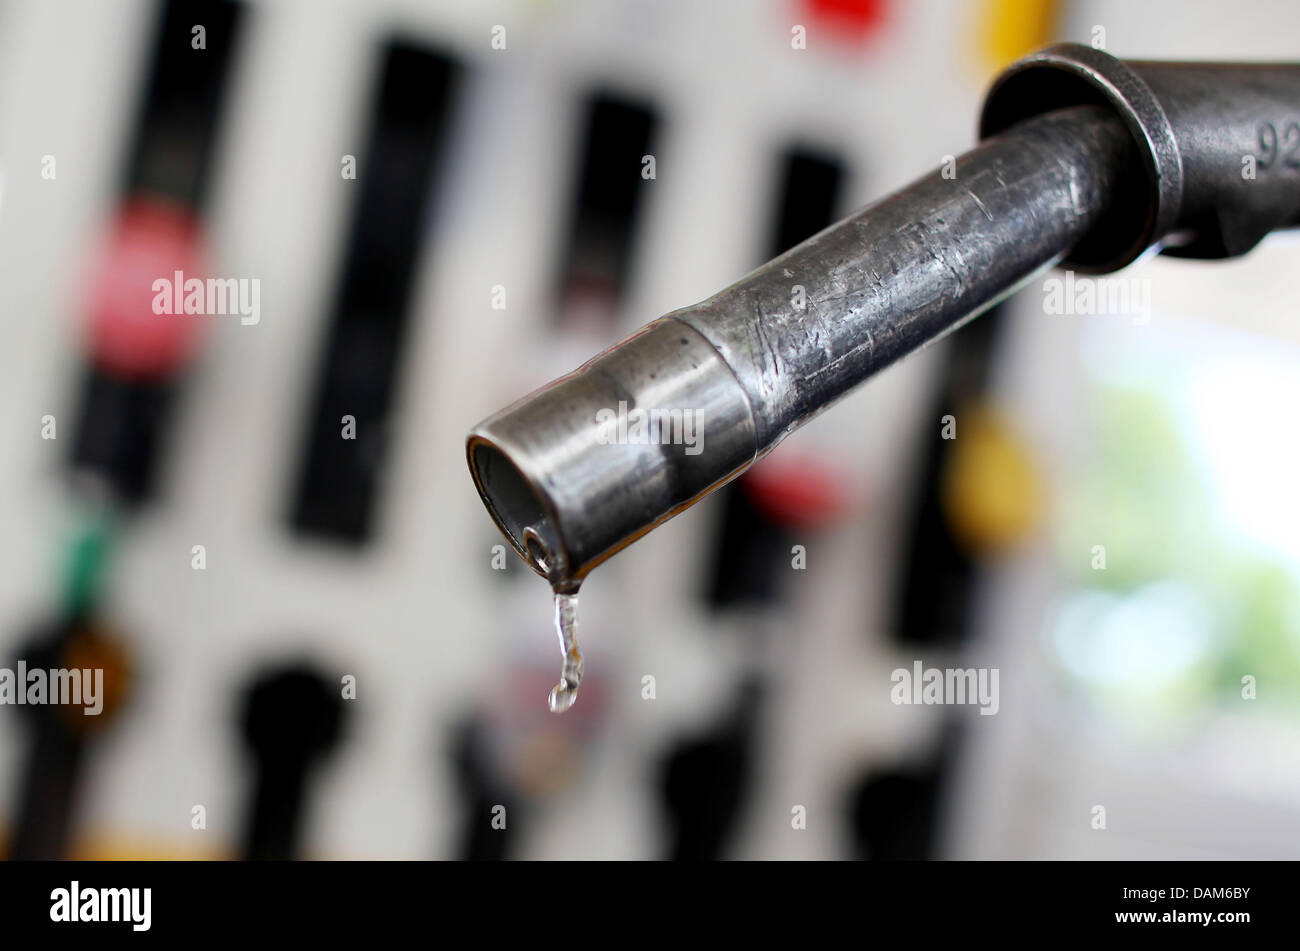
{"x": 317, "y": 646}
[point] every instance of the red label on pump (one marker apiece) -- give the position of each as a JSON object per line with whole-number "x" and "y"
{"x": 798, "y": 492}
{"x": 849, "y": 19}
{"x": 138, "y": 324}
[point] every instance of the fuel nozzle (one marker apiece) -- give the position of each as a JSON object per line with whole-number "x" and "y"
{"x": 1086, "y": 161}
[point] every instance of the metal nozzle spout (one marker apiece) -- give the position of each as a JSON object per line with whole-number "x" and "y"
{"x": 592, "y": 461}
{"x": 577, "y": 470}
{"x": 1094, "y": 166}
{"x": 596, "y": 459}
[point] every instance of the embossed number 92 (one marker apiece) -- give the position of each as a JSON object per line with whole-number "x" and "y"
{"x": 1284, "y": 147}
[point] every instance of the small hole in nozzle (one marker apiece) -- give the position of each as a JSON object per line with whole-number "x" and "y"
{"x": 533, "y": 544}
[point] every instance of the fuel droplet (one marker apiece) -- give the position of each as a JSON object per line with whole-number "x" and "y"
{"x": 565, "y": 692}
{"x": 553, "y": 565}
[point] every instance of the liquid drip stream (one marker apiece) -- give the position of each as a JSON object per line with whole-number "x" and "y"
{"x": 565, "y": 692}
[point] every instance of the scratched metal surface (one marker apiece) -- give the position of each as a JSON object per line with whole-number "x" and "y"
{"x": 904, "y": 271}
{"x": 796, "y": 334}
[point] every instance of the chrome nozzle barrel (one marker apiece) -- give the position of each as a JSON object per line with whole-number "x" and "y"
{"x": 589, "y": 463}
{"x": 1086, "y": 156}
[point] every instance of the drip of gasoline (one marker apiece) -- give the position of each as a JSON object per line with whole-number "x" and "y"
{"x": 565, "y": 692}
